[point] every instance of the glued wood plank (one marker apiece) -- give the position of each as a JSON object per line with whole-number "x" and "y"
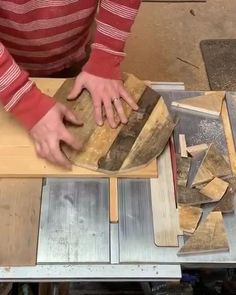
{"x": 215, "y": 189}
{"x": 210, "y": 237}
{"x": 211, "y": 103}
{"x": 114, "y": 211}
{"x": 189, "y": 218}
{"x": 20, "y": 201}
{"x": 165, "y": 215}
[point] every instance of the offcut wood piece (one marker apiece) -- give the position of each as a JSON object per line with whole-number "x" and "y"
{"x": 213, "y": 165}
{"x": 114, "y": 202}
{"x": 210, "y": 237}
{"x": 215, "y": 189}
{"x": 183, "y": 166}
{"x": 16, "y": 147}
{"x": 165, "y": 215}
{"x": 229, "y": 136}
{"x": 211, "y": 103}
{"x": 183, "y": 146}
{"x": 226, "y": 204}
{"x": 20, "y": 202}
{"x": 191, "y": 197}
{"x": 196, "y": 149}
{"x": 189, "y": 218}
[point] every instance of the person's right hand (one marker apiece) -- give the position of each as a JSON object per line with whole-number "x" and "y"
{"x": 50, "y": 131}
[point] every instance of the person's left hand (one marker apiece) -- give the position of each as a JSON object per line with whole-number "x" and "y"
{"x": 105, "y": 93}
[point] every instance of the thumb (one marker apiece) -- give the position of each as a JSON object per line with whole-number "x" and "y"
{"x": 77, "y": 88}
{"x": 72, "y": 117}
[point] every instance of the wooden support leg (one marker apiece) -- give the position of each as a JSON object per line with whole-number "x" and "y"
{"x": 114, "y": 211}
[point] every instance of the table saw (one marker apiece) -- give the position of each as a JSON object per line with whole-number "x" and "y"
{"x": 76, "y": 241}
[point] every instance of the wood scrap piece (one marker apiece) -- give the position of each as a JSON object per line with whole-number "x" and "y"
{"x": 19, "y": 221}
{"x": 123, "y": 143}
{"x": 226, "y": 204}
{"x": 165, "y": 215}
{"x": 213, "y": 165}
{"x": 194, "y": 167}
{"x": 191, "y": 197}
{"x": 215, "y": 189}
{"x": 229, "y": 130}
{"x": 210, "y": 237}
{"x": 183, "y": 166}
{"x": 154, "y": 135}
{"x": 196, "y": 149}
{"x": 114, "y": 211}
{"x": 189, "y": 218}
{"x": 183, "y": 146}
{"x": 210, "y": 104}
{"x": 103, "y": 137}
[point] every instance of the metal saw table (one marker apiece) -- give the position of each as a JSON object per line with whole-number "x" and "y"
{"x": 77, "y": 242}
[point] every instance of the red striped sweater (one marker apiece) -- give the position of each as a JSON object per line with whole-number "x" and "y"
{"x": 41, "y": 37}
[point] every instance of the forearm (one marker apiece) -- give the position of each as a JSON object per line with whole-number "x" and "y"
{"x": 114, "y": 23}
{"x": 18, "y": 94}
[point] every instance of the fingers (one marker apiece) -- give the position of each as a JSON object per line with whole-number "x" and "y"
{"x": 127, "y": 97}
{"x": 110, "y": 112}
{"x": 68, "y": 138}
{"x": 98, "y": 111}
{"x": 120, "y": 111}
{"x": 72, "y": 117}
{"x": 77, "y": 88}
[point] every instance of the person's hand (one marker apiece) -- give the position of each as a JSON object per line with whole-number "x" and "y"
{"x": 107, "y": 94}
{"x": 50, "y": 131}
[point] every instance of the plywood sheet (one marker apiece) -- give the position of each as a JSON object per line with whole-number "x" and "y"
{"x": 20, "y": 202}
{"x": 210, "y": 237}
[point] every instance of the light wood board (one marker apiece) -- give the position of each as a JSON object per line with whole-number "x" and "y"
{"x": 183, "y": 146}
{"x": 114, "y": 201}
{"x": 210, "y": 237}
{"x": 16, "y": 149}
{"x": 165, "y": 215}
{"x": 20, "y": 201}
{"x": 211, "y": 103}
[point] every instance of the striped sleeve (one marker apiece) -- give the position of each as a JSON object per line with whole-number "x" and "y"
{"x": 114, "y": 21}
{"x": 19, "y": 95}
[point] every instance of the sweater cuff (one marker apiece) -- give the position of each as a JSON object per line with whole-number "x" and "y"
{"x": 32, "y": 107}
{"x": 104, "y": 65}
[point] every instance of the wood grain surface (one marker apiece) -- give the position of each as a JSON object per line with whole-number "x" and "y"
{"x": 20, "y": 201}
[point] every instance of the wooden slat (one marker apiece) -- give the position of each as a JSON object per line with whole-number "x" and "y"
{"x": 20, "y": 201}
{"x": 183, "y": 166}
{"x": 183, "y": 146}
{"x": 114, "y": 209}
{"x": 210, "y": 237}
{"x": 165, "y": 215}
